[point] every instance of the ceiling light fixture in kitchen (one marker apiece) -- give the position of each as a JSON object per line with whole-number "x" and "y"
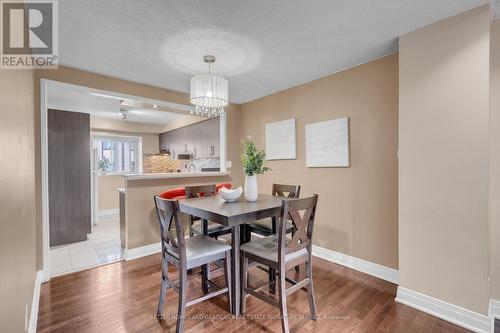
{"x": 124, "y": 113}
{"x": 209, "y": 93}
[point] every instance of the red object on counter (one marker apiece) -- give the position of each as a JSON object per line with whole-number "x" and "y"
{"x": 221, "y": 185}
{"x": 176, "y": 193}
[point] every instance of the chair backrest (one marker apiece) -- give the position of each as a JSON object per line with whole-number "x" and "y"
{"x": 171, "y": 228}
{"x": 173, "y": 193}
{"x": 301, "y": 213}
{"x": 289, "y": 191}
{"x": 200, "y": 191}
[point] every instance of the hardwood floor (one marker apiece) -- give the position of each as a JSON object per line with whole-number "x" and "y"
{"x": 122, "y": 297}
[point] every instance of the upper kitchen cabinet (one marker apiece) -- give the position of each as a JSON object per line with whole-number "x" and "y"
{"x": 200, "y": 140}
{"x": 163, "y": 141}
{"x": 210, "y": 138}
{"x": 193, "y": 140}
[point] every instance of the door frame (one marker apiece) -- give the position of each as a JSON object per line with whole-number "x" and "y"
{"x": 45, "y": 85}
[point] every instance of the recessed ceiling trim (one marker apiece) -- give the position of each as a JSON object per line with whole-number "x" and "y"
{"x": 116, "y": 95}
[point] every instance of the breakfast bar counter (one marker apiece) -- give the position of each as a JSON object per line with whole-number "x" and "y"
{"x": 174, "y": 175}
{"x": 141, "y": 230}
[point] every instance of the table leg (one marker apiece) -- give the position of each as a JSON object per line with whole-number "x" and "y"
{"x": 205, "y": 269}
{"x": 243, "y": 233}
{"x": 235, "y": 269}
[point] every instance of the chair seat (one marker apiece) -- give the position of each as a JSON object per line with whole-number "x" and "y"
{"x": 212, "y": 227}
{"x": 266, "y": 226}
{"x": 202, "y": 249}
{"x": 267, "y": 248}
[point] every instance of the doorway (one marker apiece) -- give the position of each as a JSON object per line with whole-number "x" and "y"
{"x": 102, "y": 243}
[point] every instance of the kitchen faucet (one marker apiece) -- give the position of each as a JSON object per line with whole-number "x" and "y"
{"x": 192, "y": 165}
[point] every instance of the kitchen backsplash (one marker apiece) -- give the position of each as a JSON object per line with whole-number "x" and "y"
{"x": 199, "y": 163}
{"x": 164, "y": 164}
{"x": 159, "y": 164}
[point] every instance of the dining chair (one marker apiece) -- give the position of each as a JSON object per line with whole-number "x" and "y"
{"x": 175, "y": 193}
{"x": 281, "y": 254}
{"x": 186, "y": 253}
{"x": 267, "y": 227}
{"x": 196, "y": 226}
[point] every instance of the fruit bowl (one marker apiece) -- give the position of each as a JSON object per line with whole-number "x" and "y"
{"x": 230, "y": 195}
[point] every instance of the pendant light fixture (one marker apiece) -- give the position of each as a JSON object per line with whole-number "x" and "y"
{"x": 209, "y": 93}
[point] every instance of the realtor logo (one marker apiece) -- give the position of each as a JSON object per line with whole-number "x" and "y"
{"x": 29, "y": 34}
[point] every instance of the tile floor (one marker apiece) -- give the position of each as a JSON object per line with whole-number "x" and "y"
{"x": 102, "y": 247}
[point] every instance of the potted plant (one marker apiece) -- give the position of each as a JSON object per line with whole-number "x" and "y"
{"x": 253, "y": 164}
{"x": 103, "y": 165}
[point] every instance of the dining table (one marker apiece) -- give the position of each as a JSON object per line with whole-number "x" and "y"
{"x": 233, "y": 215}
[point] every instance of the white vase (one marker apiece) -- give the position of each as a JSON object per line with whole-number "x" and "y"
{"x": 251, "y": 192}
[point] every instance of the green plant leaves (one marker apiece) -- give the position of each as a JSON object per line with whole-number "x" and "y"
{"x": 252, "y": 159}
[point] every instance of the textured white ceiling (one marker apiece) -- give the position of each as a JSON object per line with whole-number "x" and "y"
{"x": 261, "y": 46}
{"x": 60, "y": 98}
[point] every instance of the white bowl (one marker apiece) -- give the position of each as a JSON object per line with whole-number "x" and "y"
{"x": 230, "y": 195}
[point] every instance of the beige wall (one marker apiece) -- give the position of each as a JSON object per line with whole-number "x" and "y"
{"x": 357, "y": 212}
{"x": 495, "y": 160}
{"x": 108, "y": 196}
{"x": 444, "y": 160}
{"x": 18, "y": 241}
{"x": 141, "y": 222}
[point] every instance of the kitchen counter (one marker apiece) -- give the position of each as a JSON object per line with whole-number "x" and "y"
{"x": 138, "y": 218}
{"x": 175, "y": 175}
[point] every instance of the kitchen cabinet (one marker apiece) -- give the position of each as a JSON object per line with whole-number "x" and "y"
{"x": 201, "y": 140}
{"x": 163, "y": 141}
{"x": 210, "y": 138}
{"x": 69, "y": 177}
{"x": 193, "y": 139}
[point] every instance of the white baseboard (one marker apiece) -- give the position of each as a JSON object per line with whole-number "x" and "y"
{"x": 454, "y": 314}
{"x": 379, "y": 271}
{"x": 494, "y": 312}
{"x": 142, "y": 251}
{"x": 106, "y": 212}
{"x": 34, "y": 304}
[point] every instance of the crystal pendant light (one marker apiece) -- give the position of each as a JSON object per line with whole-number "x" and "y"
{"x": 209, "y": 93}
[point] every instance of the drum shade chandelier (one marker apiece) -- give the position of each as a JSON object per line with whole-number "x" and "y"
{"x": 209, "y": 93}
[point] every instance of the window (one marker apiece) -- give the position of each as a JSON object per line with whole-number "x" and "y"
{"x": 115, "y": 154}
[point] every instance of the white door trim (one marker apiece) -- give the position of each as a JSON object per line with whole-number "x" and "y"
{"x": 450, "y": 312}
{"x": 382, "y": 272}
{"x": 35, "y": 303}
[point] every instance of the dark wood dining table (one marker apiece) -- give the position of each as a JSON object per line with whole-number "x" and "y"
{"x": 232, "y": 214}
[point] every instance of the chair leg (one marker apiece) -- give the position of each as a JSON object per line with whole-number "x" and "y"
{"x": 272, "y": 280}
{"x": 244, "y": 282}
{"x": 205, "y": 268}
{"x": 310, "y": 290}
{"x": 181, "y": 311}
{"x": 165, "y": 284}
{"x": 282, "y": 300}
{"x": 227, "y": 276}
{"x": 204, "y": 277}
{"x": 297, "y": 268}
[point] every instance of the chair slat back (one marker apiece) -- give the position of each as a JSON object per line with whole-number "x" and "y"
{"x": 171, "y": 228}
{"x": 289, "y": 191}
{"x": 301, "y": 213}
{"x": 200, "y": 191}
